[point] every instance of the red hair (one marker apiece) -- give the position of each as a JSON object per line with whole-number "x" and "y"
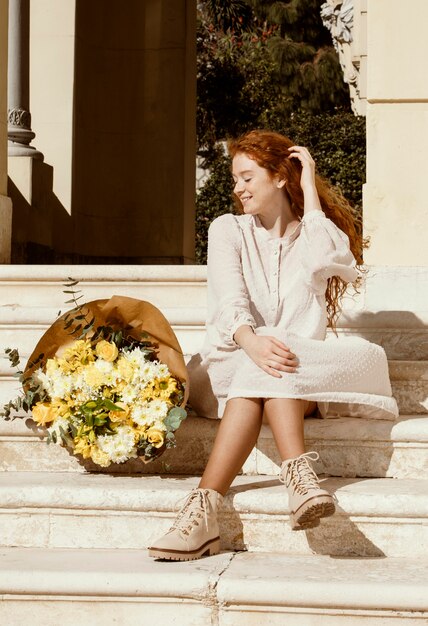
{"x": 270, "y": 151}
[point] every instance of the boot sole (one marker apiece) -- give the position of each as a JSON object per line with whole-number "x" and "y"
{"x": 208, "y": 549}
{"x": 310, "y": 513}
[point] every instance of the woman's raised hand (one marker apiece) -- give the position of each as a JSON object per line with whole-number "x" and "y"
{"x": 307, "y": 179}
{"x": 269, "y": 353}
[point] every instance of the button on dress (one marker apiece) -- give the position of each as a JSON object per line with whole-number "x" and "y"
{"x": 277, "y": 286}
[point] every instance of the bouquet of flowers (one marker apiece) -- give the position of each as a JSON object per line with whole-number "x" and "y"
{"x": 117, "y": 391}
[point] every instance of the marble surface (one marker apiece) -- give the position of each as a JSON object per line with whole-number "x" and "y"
{"x": 106, "y": 587}
{"x": 374, "y": 516}
{"x": 347, "y": 447}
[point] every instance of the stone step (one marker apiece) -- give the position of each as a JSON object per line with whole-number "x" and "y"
{"x": 31, "y": 295}
{"x": 22, "y": 326}
{"x": 107, "y": 587}
{"x": 348, "y": 447}
{"x": 409, "y": 381}
{"x": 375, "y": 517}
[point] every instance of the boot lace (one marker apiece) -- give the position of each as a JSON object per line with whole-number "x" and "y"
{"x": 194, "y": 509}
{"x": 299, "y": 473}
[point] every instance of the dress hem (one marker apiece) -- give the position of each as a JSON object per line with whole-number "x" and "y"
{"x": 369, "y": 400}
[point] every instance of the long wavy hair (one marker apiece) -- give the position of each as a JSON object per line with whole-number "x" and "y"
{"x": 269, "y": 150}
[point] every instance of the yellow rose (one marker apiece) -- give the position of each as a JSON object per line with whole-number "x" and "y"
{"x": 119, "y": 416}
{"x": 43, "y": 413}
{"x": 125, "y": 369}
{"x": 106, "y": 351}
{"x": 99, "y": 457}
{"x": 155, "y": 437}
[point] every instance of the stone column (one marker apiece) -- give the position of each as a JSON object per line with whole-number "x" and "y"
{"x": 395, "y": 208}
{"x": 19, "y": 117}
{"x": 5, "y": 202}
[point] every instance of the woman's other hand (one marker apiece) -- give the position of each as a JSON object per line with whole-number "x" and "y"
{"x": 268, "y": 353}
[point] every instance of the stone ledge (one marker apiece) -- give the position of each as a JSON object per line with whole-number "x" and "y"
{"x": 347, "y": 446}
{"x": 228, "y": 589}
{"x": 102, "y": 273}
{"x": 375, "y": 517}
{"x": 321, "y": 581}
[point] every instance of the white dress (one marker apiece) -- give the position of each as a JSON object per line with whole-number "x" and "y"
{"x": 277, "y": 286}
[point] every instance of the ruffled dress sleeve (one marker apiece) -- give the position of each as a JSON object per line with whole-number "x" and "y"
{"x": 228, "y": 299}
{"x": 325, "y": 252}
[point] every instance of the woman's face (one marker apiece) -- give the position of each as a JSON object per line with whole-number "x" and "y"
{"x": 256, "y": 189}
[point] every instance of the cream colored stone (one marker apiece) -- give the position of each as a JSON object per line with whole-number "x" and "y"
{"x": 52, "y": 66}
{"x": 397, "y": 46}
{"x": 375, "y": 517}
{"x": 347, "y": 446}
{"x": 396, "y": 183}
{"x": 109, "y": 84}
{"x": 49, "y": 610}
{"x": 273, "y": 580}
{"x": 125, "y": 587}
{"x": 106, "y": 587}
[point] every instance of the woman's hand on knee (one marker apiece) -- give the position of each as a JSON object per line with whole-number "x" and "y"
{"x": 271, "y": 355}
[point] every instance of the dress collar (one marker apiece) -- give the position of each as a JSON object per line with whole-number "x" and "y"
{"x": 261, "y": 231}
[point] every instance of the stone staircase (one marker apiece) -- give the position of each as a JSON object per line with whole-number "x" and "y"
{"x": 72, "y": 541}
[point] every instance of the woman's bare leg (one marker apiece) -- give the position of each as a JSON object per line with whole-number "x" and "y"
{"x": 236, "y": 437}
{"x": 286, "y": 418}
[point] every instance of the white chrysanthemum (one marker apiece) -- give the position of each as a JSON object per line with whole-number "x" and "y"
{"x": 61, "y": 386}
{"x": 140, "y": 416}
{"x": 129, "y": 394}
{"x": 59, "y": 423}
{"x": 159, "y": 425}
{"x": 136, "y": 357}
{"x": 160, "y": 370}
{"x": 104, "y": 366}
{"x": 43, "y": 379}
{"x": 78, "y": 380}
{"x": 119, "y": 447}
{"x": 157, "y": 409}
{"x": 108, "y": 370}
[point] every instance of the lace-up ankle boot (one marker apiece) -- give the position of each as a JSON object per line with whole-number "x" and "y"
{"x": 307, "y": 502}
{"x": 195, "y": 531}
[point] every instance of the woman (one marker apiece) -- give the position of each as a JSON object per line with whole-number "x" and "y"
{"x": 276, "y": 274}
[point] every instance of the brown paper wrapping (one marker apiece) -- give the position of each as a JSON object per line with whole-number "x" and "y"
{"x": 119, "y": 312}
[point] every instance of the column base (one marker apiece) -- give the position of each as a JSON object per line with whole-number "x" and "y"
{"x": 20, "y": 150}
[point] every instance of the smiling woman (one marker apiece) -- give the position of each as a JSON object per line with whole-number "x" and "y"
{"x": 276, "y": 274}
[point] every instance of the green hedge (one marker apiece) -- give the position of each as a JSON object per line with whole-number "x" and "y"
{"x": 336, "y": 142}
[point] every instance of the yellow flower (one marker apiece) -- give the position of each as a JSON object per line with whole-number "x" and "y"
{"x": 76, "y": 356}
{"x": 106, "y": 351}
{"x": 155, "y": 437}
{"x": 120, "y": 416}
{"x": 93, "y": 377}
{"x": 125, "y": 369}
{"x": 43, "y": 413}
{"x": 61, "y": 408}
{"x": 51, "y": 366}
{"x": 166, "y": 387}
{"x": 99, "y": 457}
{"x": 83, "y": 447}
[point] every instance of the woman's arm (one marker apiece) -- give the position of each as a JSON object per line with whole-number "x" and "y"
{"x": 229, "y": 302}
{"x": 228, "y": 299}
{"x": 325, "y": 250}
